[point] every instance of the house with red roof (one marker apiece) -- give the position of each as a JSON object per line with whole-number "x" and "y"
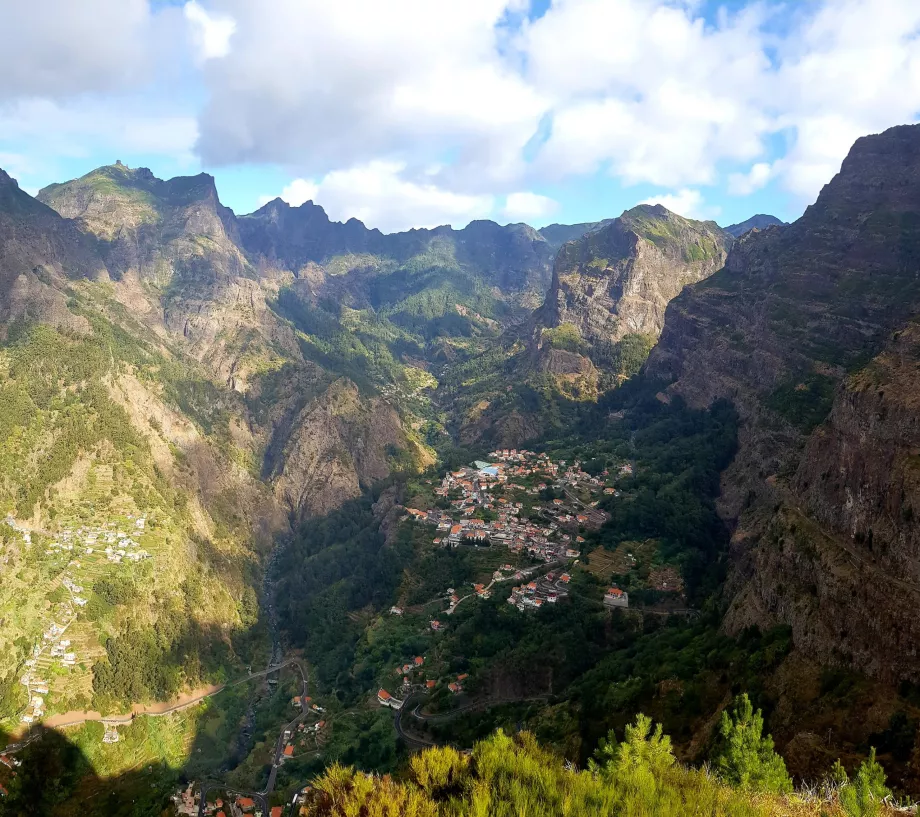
{"x": 614, "y": 597}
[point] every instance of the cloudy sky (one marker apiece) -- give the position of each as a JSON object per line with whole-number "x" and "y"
{"x": 423, "y": 112}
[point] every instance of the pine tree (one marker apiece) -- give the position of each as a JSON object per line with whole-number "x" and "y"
{"x": 863, "y": 797}
{"x": 745, "y": 756}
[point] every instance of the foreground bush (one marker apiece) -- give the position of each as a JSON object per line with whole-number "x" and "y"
{"x": 514, "y": 777}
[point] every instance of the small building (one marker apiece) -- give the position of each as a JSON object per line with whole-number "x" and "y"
{"x": 614, "y": 597}
{"x": 385, "y": 699}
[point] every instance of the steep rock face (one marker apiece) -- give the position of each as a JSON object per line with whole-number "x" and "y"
{"x": 180, "y": 244}
{"x": 820, "y": 509}
{"x": 38, "y": 248}
{"x": 339, "y": 445}
{"x": 163, "y": 230}
{"x": 180, "y": 272}
{"x": 619, "y": 279}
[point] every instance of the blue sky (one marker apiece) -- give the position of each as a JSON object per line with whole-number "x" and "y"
{"x": 421, "y": 112}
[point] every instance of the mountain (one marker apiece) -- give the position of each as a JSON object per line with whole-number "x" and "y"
{"x": 515, "y": 259}
{"x": 758, "y": 222}
{"x": 602, "y": 313}
{"x": 125, "y": 479}
{"x": 810, "y": 331}
{"x": 615, "y": 282}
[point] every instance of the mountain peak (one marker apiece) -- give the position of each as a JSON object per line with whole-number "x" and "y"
{"x": 761, "y": 221}
{"x": 6, "y": 179}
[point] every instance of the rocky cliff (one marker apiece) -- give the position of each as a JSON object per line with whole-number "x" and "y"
{"x": 808, "y": 330}
{"x": 616, "y": 281}
{"x": 182, "y": 275}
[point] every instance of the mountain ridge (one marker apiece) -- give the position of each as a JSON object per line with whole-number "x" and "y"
{"x": 791, "y": 331}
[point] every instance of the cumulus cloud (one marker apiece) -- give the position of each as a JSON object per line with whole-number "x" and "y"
{"x": 530, "y": 207}
{"x": 318, "y": 86}
{"x": 499, "y": 99}
{"x": 73, "y": 129}
{"x": 664, "y": 102}
{"x": 743, "y": 184}
{"x": 378, "y": 194}
{"x": 58, "y": 48}
{"x": 686, "y": 202}
{"x": 210, "y": 32}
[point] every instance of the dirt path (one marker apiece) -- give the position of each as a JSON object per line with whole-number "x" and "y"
{"x": 161, "y": 708}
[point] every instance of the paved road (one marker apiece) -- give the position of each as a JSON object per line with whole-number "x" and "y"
{"x": 418, "y": 742}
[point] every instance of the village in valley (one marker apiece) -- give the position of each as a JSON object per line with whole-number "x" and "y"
{"x": 525, "y": 502}
{"x": 521, "y": 503}
{"x": 77, "y": 557}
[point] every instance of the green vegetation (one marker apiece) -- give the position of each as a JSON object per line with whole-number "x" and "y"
{"x": 565, "y": 336}
{"x": 862, "y": 797}
{"x": 804, "y": 402}
{"x": 745, "y": 756}
{"x": 508, "y": 776}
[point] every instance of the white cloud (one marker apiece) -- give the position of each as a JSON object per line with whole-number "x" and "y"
{"x": 470, "y": 99}
{"x": 664, "y": 101}
{"x": 16, "y": 164}
{"x": 58, "y": 48}
{"x": 211, "y": 33}
{"x": 84, "y": 127}
{"x": 529, "y": 207}
{"x": 686, "y": 202}
{"x": 319, "y": 86}
{"x": 743, "y": 184}
{"x": 378, "y": 194}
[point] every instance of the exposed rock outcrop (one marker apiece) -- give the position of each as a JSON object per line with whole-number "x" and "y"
{"x": 822, "y": 491}
{"x": 340, "y": 443}
{"x": 618, "y": 280}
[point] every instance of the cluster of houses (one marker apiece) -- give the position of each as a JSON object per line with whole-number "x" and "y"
{"x": 187, "y": 802}
{"x": 547, "y": 589}
{"x": 299, "y": 735}
{"x": 551, "y": 532}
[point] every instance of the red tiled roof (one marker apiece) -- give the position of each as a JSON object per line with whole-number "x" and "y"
{"x": 384, "y": 695}
{"x": 289, "y": 751}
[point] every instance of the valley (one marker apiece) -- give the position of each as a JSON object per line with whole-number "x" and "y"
{"x": 282, "y": 493}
